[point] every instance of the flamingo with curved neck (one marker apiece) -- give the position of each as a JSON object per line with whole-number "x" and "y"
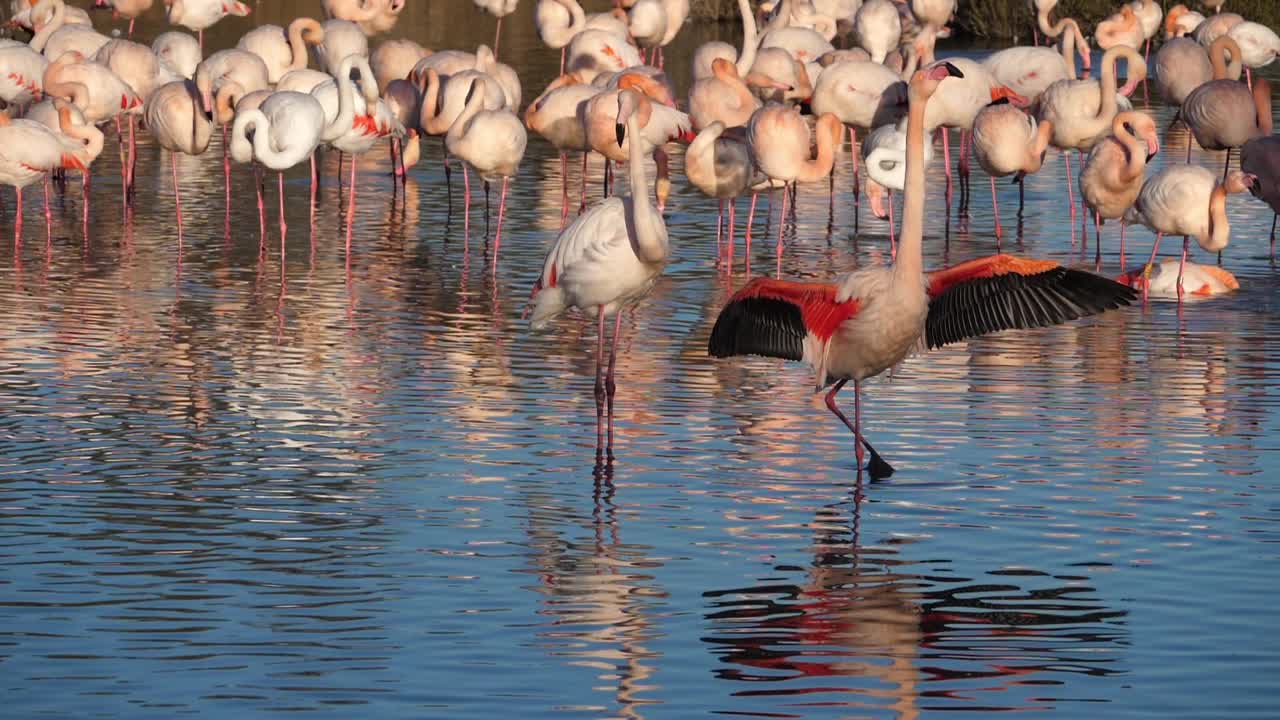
{"x": 1112, "y": 176}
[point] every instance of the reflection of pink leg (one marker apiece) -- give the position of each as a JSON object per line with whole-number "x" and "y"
{"x": 995, "y": 204}
{"x": 611, "y": 387}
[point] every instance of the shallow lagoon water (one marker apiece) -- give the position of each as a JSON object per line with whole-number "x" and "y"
{"x": 236, "y": 486}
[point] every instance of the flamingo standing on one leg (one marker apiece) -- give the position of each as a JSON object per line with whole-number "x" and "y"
{"x": 176, "y": 120}
{"x": 1006, "y": 140}
{"x": 608, "y": 258}
{"x": 871, "y": 319}
{"x": 1112, "y": 175}
{"x": 286, "y": 131}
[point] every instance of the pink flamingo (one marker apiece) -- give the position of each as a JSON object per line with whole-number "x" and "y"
{"x": 178, "y": 123}
{"x": 28, "y": 151}
{"x": 1112, "y": 175}
{"x": 1187, "y": 200}
{"x": 1006, "y": 140}
{"x": 1225, "y": 114}
{"x": 493, "y": 143}
{"x": 608, "y": 258}
{"x": 200, "y": 14}
{"x": 871, "y": 319}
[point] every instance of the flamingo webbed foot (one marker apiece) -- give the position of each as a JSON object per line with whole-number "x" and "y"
{"x": 876, "y": 468}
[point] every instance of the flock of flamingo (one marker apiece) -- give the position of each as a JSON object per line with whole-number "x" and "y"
{"x": 763, "y": 117}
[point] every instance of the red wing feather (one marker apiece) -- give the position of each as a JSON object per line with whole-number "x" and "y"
{"x": 816, "y": 301}
{"x": 775, "y": 318}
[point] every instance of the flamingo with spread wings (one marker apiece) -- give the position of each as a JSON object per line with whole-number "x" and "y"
{"x": 870, "y": 320}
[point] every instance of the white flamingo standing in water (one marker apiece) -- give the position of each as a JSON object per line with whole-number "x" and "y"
{"x": 608, "y": 258}
{"x": 66, "y": 118}
{"x": 492, "y": 142}
{"x": 871, "y": 319}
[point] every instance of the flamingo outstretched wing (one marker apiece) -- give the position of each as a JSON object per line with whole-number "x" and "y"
{"x": 1004, "y": 292}
{"x": 779, "y": 318}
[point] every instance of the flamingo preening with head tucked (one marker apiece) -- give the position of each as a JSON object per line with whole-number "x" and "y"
{"x": 871, "y": 319}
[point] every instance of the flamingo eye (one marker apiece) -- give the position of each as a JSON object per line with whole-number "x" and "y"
{"x": 888, "y": 165}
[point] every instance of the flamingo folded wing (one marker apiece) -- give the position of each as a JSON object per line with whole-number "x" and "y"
{"x": 1004, "y": 292}
{"x": 779, "y": 318}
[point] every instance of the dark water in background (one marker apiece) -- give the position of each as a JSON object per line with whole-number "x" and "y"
{"x": 236, "y": 486}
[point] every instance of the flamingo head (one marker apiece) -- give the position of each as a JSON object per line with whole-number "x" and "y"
{"x": 1239, "y": 181}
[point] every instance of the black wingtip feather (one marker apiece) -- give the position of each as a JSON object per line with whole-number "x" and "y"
{"x": 758, "y": 326}
{"x": 1014, "y": 301}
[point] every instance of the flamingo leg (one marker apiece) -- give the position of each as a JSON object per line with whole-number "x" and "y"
{"x": 262, "y": 208}
{"x": 877, "y": 467}
{"x": 48, "y": 216}
{"x": 720, "y": 232}
{"x": 17, "y": 224}
{"x": 563, "y": 50}
{"x": 1071, "y": 196}
{"x": 177, "y": 198}
{"x": 893, "y": 240}
{"x": 610, "y": 386}
{"x": 564, "y": 187}
{"x": 786, "y": 196}
{"x": 582, "y": 202}
{"x": 1226, "y": 165}
{"x": 502, "y": 207}
{"x": 1189, "y": 138}
{"x": 1182, "y": 264}
{"x": 312, "y": 203}
{"x": 133, "y": 159}
{"x": 857, "y": 186}
{"x": 84, "y": 202}
{"x": 995, "y": 206}
{"x": 1248, "y": 77}
{"x": 599, "y": 388}
{"x": 466, "y": 205}
{"x": 1097, "y": 241}
{"x": 1273, "y": 236}
{"x": 946, "y": 162}
{"x": 131, "y": 20}
{"x": 751, "y": 218}
{"x": 1122, "y": 226}
{"x": 226, "y": 174}
{"x": 485, "y": 183}
{"x": 963, "y": 167}
{"x": 283, "y": 227}
{"x": 200, "y": 36}
{"x": 733, "y": 205}
{"x": 351, "y": 205}
{"x": 497, "y": 37}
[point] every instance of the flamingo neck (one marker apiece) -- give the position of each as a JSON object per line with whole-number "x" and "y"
{"x": 91, "y": 135}
{"x": 1219, "y": 229}
{"x": 1221, "y": 69}
{"x": 462, "y": 124}
{"x": 1042, "y": 19}
{"x": 820, "y": 166}
{"x": 910, "y": 262}
{"x": 298, "y": 46}
{"x": 651, "y": 235}
{"x": 747, "y": 57}
{"x": 41, "y": 38}
{"x": 1044, "y": 133}
{"x": 1135, "y": 149}
{"x": 430, "y": 111}
{"x": 1107, "y": 96}
{"x": 346, "y": 103}
{"x": 1262, "y": 101}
